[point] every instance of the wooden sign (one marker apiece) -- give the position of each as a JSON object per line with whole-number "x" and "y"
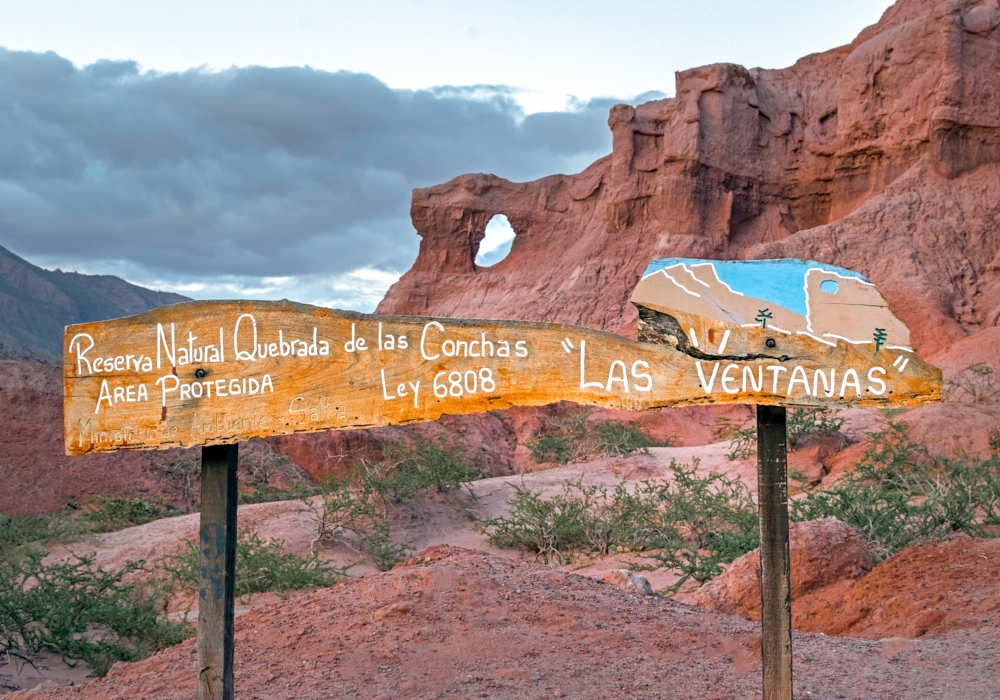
{"x": 773, "y": 333}
{"x": 216, "y": 372}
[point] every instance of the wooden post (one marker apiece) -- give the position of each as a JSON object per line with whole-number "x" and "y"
{"x": 217, "y": 536}
{"x": 775, "y": 571}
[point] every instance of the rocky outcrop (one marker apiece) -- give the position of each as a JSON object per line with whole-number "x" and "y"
{"x": 881, "y": 156}
{"x": 822, "y": 552}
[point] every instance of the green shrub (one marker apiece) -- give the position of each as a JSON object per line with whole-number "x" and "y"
{"x": 552, "y": 528}
{"x": 357, "y": 507}
{"x": 354, "y": 510}
{"x": 412, "y": 469}
{"x": 800, "y": 423}
{"x": 818, "y": 421}
{"x": 618, "y": 439}
{"x": 384, "y": 552}
{"x": 742, "y": 443}
{"x": 551, "y": 448}
{"x": 577, "y": 439}
{"x": 81, "y": 613}
{"x": 114, "y": 513}
{"x": 260, "y": 567}
{"x": 898, "y": 495}
{"x": 706, "y": 521}
{"x": 691, "y": 523}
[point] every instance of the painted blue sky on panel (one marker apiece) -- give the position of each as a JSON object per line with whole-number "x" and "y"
{"x": 780, "y": 282}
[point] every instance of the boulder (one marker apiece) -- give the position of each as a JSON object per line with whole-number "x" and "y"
{"x": 822, "y": 552}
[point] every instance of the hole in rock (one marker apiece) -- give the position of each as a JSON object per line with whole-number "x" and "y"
{"x": 496, "y": 243}
{"x": 829, "y": 286}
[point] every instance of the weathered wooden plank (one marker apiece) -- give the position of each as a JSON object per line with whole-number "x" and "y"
{"x": 217, "y": 565}
{"x": 775, "y": 563}
{"x": 204, "y": 373}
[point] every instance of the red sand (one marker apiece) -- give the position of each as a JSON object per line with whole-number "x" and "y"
{"x": 463, "y": 624}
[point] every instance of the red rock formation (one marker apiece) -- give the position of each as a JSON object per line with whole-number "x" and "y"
{"x": 38, "y": 477}
{"x": 881, "y": 156}
{"x": 822, "y": 552}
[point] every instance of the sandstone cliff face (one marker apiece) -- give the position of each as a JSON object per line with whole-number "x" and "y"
{"x": 881, "y": 156}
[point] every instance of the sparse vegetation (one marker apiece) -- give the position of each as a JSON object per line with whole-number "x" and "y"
{"x": 977, "y": 383}
{"x": 355, "y": 510}
{"x": 692, "y": 523}
{"x": 576, "y": 438}
{"x": 260, "y": 567}
{"x": 352, "y": 512}
{"x": 412, "y": 469}
{"x": 898, "y": 495}
{"x": 105, "y": 514}
{"x": 80, "y": 612}
{"x": 263, "y": 492}
{"x": 20, "y": 531}
{"x": 801, "y": 422}
{"x": 118, "y": 512}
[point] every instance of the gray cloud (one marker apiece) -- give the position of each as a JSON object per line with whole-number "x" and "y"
{"x": 209, "y": 178}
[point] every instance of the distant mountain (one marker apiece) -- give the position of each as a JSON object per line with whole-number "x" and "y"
{"x": 36, "y": 304}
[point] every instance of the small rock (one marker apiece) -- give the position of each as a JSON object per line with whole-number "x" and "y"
{"x": 394, "y": 610}
{"x": 536, "y": 677}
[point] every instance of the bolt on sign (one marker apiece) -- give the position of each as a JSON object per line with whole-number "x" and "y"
{"x": 213, "y": 372}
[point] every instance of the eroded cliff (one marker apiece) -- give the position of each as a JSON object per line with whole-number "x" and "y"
{"x": 881, "y": 156}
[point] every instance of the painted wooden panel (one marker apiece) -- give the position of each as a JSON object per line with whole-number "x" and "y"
{"x": 213, "y": 372}
{"x": 791, "y": 297}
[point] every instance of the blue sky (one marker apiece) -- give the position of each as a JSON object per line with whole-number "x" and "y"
{"x": 268, "y": 150}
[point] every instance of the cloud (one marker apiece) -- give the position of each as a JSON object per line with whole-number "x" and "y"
{"x": 252, "y": 181}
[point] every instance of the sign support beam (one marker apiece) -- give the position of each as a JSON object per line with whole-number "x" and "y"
{"x": 775, "y": 569}
{"x": 217, "y": 557}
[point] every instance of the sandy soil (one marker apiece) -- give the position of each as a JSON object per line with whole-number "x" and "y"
{"x": 463, "y": 624}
